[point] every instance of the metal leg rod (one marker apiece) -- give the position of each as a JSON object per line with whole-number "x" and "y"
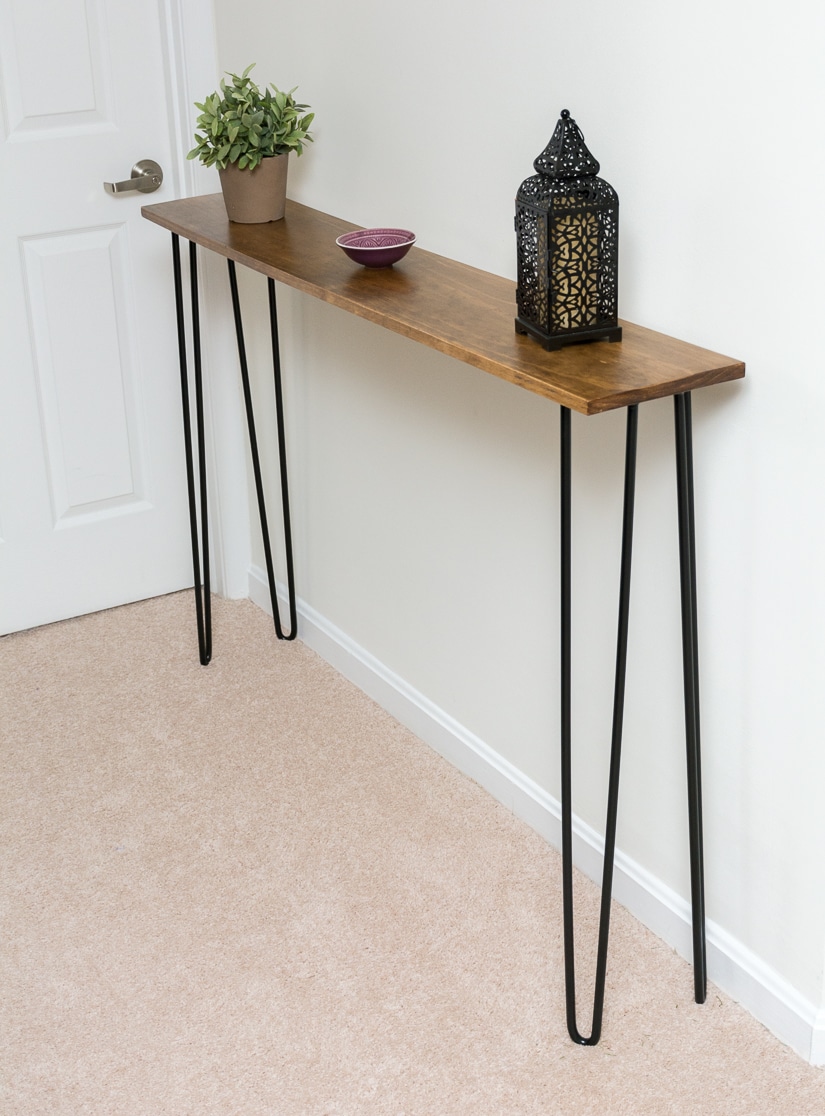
{"x": 279, "y": 414}
{"x": 690, "y": 660}
{"x": 202, "y": 585}
{"x": 566, "y": 722}
{"x": 256, "y": 465}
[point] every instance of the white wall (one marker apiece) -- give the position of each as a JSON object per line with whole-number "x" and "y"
{"x": 425, "y": 492}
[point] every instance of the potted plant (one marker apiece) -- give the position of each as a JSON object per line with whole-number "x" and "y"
{"x": 248, "y": 135}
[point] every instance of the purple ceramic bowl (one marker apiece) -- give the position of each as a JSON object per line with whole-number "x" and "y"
{"x": 377, "y": 247}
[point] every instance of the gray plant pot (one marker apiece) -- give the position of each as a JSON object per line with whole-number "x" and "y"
{"x": 255, "y": 196}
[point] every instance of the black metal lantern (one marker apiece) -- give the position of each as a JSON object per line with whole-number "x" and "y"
{"x": 567, "y": 232}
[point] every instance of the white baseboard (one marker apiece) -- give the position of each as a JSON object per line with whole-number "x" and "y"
{"x": 817, "y": 1057}
{"x": 731, "y": 965}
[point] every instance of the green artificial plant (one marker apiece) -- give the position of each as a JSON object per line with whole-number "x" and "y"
{"x": 242, "y": 125}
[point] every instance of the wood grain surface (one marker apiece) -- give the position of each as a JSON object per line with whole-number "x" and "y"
{"x": 461, "y": 311}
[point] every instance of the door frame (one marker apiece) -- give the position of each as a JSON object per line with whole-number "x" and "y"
{"x": 191, "y": 63}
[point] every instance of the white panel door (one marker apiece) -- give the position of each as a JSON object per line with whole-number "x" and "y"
{"x": 93, "y": 509}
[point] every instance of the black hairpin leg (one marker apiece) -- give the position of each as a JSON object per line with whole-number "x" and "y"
{"x": 203, "y": 605}
{"x": 690, "y": 659}
{"x": 256, "y": 466}
{"x": 618, "y": 714}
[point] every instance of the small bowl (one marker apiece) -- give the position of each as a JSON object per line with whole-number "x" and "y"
{"x": 377, "y": 247}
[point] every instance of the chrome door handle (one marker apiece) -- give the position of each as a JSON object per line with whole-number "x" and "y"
{"x": 146, "y": 177}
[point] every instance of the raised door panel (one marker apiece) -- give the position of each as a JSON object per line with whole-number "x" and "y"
{"x": 87, "y": 391}
{"x": 44, "y": 95}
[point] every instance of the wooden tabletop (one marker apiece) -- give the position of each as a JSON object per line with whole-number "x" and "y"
{"x": 461, "y": 311}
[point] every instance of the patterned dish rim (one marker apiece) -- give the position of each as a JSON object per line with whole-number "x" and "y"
{"x": 390, "y": 238}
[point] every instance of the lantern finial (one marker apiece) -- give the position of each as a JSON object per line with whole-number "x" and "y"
{"x": 566, "y": 155}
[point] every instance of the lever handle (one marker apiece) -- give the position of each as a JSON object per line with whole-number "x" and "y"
{"x": 146, "y": 177}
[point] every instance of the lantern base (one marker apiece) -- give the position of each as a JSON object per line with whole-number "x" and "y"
{"x": 556, "y": 341}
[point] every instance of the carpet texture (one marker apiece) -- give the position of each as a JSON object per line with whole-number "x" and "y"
{"x": 245, "y": 889}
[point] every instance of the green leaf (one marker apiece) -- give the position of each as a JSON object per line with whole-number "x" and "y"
{"x": 240, "y": 124}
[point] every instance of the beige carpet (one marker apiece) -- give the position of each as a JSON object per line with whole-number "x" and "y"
{"x": 245, "y": 889}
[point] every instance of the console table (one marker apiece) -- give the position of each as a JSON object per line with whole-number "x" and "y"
{"x": 469, "y": 315}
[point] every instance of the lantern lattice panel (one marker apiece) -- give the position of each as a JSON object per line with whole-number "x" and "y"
{"x": 531, "y": 230}
{"x": 609, "y": 276}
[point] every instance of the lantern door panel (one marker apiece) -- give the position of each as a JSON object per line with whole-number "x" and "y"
{"x": 574, "y": 268}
